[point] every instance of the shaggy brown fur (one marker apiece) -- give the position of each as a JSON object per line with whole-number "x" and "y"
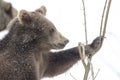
{"x": 24, "y": 52}
{"x": 7, "y": 12}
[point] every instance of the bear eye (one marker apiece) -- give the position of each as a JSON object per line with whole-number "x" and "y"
{"x": 52, "y": 30}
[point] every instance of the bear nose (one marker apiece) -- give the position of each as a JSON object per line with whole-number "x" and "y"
{"x": 66, "y": 41}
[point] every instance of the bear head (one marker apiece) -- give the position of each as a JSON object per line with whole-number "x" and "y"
{"x": 34, "y": 28}
{"x": 7, "y": 12}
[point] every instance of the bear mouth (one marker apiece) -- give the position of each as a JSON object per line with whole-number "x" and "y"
{"x": 58, "y": 46}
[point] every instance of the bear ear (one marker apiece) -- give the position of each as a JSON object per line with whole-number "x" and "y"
{"x": 42, "y": 10}
{"x": 6, "y": 6}
{"x": 24, "y": 17}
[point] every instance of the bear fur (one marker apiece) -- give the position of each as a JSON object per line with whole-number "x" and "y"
{"x": 25, "y": 50}
{"x": 7, "y": 13}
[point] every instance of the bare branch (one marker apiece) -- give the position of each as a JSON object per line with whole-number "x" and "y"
{"x": 81, "y": 50}
{"x": 87, "y": 70}
{"x": 97, "y": 43}
{"x": 96, "y": 74}
{"x": 105, "y": 17}
{"x": 84, "y": 12}
{"x": 73, "y": 76}
{"x": 102, "y": 20}
{"x": 92, "y": 71}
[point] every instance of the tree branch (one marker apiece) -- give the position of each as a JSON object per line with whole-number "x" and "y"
{"x": 97, "y": 43}
{"x": 105, "y": 17}
{"x": 84, "y": 13}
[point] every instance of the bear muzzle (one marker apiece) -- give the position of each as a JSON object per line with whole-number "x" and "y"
{"x": 61, "y": 45}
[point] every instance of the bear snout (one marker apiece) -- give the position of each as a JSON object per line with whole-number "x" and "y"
{"x": 62, "y": 45}
{"x": 58, "y": 40}
{"x": 66, "y": 41}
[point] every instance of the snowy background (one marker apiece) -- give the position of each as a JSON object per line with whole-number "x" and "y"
{"x": 67, "y": 15}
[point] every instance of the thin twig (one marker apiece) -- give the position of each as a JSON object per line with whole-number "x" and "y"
{"x": 105, "y": 17}
{"x": 87, "y": 69}
{"x": 92, "y": 72}
{"x": 73, "y": 76}
{"x": 102, "y": 20}
{"x": 80, "y": 47}
{"x": 96, "y": 74}
{"x": 84, "y": 12}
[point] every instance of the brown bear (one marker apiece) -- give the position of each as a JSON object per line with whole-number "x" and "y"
{"x": 25, "y": 50}
{"x": 7, "y": 13}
